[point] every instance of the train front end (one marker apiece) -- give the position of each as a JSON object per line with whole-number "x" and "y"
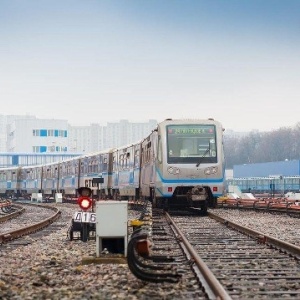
{"x": 190, "y": 163}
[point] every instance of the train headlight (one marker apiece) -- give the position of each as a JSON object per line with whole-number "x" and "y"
{"x": 210, "y": 170}
{"x": 214, "y": 170}
{"x": 207, "y": 171}
{"x": 174, "y": 171}
{"x": 170, "y": 170}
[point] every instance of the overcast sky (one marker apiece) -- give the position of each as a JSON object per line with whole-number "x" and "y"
{"x": 96, "y": 61}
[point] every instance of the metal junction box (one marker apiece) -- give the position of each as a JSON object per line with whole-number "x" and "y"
{"x": 38, "y": 197}
{"x": 58, "y": 198}
{"x": 111, "y": 226}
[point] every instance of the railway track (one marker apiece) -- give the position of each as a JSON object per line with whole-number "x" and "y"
{"x": 235, "y": 265}
{"x": 9, "y": 212}
{"x": 27, "y": 219}
{"x": 272, "y": 205}
{"x": 207, "y": 259}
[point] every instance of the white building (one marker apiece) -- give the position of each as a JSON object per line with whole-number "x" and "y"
{"x": 86, "y": 139}
{"x": 27, "y": 134}
{"x": 124, "y": 132}
{"x": 3, "y": 123}
{"x": 34, "y": 135}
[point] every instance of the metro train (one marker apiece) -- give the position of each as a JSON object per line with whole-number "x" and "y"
{"x": 181, "y": 162}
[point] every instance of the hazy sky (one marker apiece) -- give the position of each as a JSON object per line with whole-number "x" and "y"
{"x": 96, "y": 61}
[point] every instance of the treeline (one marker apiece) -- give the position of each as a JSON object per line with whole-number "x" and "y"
{"x": 257, "y": 147}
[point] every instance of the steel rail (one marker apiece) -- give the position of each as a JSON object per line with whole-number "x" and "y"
{"x": 211, "y": 280}
{"x": 261, "y": 237}
{"x": 12, "y": 215}
{"x": 14, "y": 234}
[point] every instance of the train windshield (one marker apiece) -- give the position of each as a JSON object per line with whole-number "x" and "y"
{"x": 191, "y": 144}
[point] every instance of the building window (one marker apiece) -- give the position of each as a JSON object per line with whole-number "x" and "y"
{"x": 36, "y": 132}
{"x": 43, "y": 149}
{"x": 43, "y": 132}
{"x": 50, "y": 132}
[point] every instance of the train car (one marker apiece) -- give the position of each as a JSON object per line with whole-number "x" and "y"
{"x": 10, "y": 182}
{"x": 96, "y": 166}
{"x": 30, "y": 181}
{"x": 126, "y": 171}
{"x": 182, "y": 164}
{"x": 68, "y": 177}
{"x": 50, "y": 179}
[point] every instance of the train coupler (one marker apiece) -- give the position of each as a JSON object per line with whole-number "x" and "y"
{"x": 139, "y": 261}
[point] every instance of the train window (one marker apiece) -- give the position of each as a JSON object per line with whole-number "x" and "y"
{"x": 136, "y": 158}
{"x": 121, "y": 162}
{"x": 148, "y": 152}
{"x": 159, "y": 152}
{"x": 62, "y": 169}
{"x": 142, "y": 156}
{"x": 114, "y": 161}
{"x": 189, "y": 143}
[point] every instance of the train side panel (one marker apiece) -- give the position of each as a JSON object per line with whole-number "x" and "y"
{"x": 126, "y": 170}
{"x": 68, "y": 177}
{"x": 10, "y": 182}
{"x": 30, "y": 180}
{"x": 94, "y": 166}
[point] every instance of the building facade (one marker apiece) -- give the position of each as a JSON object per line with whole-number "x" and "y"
{"x": 32, "y": 135}
{"x": 28, "y": 134}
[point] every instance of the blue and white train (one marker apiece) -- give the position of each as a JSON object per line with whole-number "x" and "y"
{"x": 181, "y": 162}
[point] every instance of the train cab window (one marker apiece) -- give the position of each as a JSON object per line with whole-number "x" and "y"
{"x": 191, "y": 143}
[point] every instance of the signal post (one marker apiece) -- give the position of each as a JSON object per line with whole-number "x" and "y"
{"x": 82, "y": 219}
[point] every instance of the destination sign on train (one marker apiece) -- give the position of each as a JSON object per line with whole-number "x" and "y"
{"x": 191, "y": 131}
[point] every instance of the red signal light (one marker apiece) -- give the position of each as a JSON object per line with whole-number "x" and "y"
{"x": 84, "y": 202}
